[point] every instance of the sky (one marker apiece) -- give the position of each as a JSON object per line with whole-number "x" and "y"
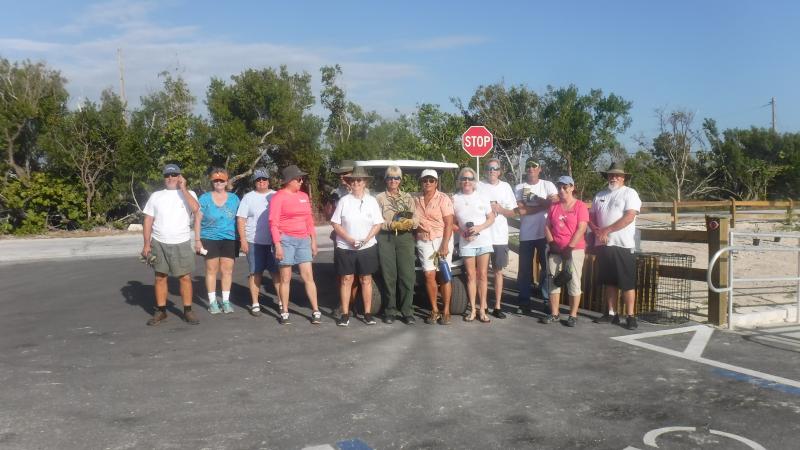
{"x": 719, "y": 59}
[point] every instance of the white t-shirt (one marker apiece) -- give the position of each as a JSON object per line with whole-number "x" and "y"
{"x": 472, "y": 208}
{"x": 532, "y": 225}
{"x": 255, "y": 208}
{"x": 357, "y": 216}
{"x": 504, "y": 196}
{"x": 172, "y": 216}
{"x": 609, "y": 206}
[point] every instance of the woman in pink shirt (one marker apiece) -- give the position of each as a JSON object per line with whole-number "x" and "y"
{"x": 294, "y": 238}
{"x": 566, "y": 225}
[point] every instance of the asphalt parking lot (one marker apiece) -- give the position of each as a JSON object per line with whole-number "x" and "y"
{"x": 79, "y": 369}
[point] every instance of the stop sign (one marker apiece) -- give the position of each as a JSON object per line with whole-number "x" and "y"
{"x": 477, "y": 141}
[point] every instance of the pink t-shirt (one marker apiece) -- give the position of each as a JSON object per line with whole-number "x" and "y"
{"x": 290, "y": 214}
{"x": 563, "y": 224}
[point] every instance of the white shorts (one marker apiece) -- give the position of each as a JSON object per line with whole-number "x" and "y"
{"x": 425, "y": 251}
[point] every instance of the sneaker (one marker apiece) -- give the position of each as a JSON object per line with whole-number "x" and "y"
{"x": 550, "y": 318}
{"x": 344, "y": 320}
{"x": 409, "y": 320}
{"x": 227, "y": 308}
{"x": 498, "y": 313}
{"x": 213, "y": 308}
{"x": 572, "y": 321}
{"x": 369, "y": 320}
{"x": 284, "y": 319}
{"x": 388, "y": 319}
{"x": 255, "y": 310}
{"x": 605, "y": 318}
{"x": 158, "y": 317}
{"x": 631, "y": 323}
{"x": 190, "y": 317}
{"x": 316, "y": 317}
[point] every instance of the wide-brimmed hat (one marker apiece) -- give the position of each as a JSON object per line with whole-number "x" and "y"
{"x": 615, "y": 168}
{"x": 345, "y": 166}
{"x": 358, "y": 172}
{"x": 289, "y": 173}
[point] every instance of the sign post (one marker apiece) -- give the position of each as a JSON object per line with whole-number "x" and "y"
{"x": 477, "y": 141}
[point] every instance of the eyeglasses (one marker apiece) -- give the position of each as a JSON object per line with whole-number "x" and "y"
{"x": 219, "y": 181}
{"x": 172, "y": 175}
{"x": 429, "y": 180}
{"x": 492, "y": 168}
{"x": 259, "y": 180}
{"x": 467, "y": 178}
{"x": 393, "y": 178}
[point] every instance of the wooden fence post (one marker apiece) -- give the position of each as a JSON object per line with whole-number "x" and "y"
{"x": 733, "y": 212}
{"x": 718, "y": 228}
{"x": 674, "y": 215}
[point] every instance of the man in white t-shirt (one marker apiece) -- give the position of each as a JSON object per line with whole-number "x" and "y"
{"x": 612, "y": 219}
{"x": 533, "y": 201}
{"x": 252, "y": 222}
{"x": 501, "y": 196}
{"x": 168, "y": 241}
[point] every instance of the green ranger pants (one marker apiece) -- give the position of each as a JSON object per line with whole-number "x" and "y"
{"x": 397, "y": 254}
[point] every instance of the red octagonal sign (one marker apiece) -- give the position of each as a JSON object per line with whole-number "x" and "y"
{"x": 477, "y": 141}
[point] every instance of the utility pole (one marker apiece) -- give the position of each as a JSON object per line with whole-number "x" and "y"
{"x": 122, "y": 84}
{"x": 772, "y": 102}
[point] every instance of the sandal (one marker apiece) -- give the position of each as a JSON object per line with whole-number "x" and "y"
{"x": 484, "y": 318}
{"x": 470, "y": 317}
{"x": 433, "y": 317}
{"x": 445, "y": 319}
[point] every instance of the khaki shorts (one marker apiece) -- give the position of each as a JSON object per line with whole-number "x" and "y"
{"x": 425, "y": 251}
{"x": 173, "y": 259}
{"x": 554, "y": 264}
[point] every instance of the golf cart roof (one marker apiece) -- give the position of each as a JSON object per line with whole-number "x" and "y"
{"x": 406, "y": 164}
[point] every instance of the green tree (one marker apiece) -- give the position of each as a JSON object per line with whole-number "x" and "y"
{"x": 579, "y": 129}
{"x": 32, "y": 98}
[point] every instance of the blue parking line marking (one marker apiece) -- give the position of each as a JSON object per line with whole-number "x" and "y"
{"x": 758, "y": 381}
{"x": 353, "y": 444}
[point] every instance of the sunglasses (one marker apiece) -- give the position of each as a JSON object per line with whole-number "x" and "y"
{"x": 172, "y": 175}
{"x": 392, "y": 178}
{"x": 467, "y": 178}
{"x": 564, "y": 186}
{"x": 492, "y": 168}
{"x": 429, "y": 180}
{"x": 219, "y": 181}
{"x": 531, "y": 165}
{"x": 357, "y": 180}
{"x": 299, "y": 180}
{"x": 258, "y": 180}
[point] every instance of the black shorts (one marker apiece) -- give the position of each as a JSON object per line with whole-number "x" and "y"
{"x": 358, "y": 262}
{"x": 617, "y": 267}
{"x": 500, "y": 257}
{"x": 225, "y": 248}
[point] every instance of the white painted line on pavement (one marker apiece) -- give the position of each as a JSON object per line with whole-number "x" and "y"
{"x": 695, "y": 349}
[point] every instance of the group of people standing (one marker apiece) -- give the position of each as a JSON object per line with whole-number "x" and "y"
{"x": 386, "y": 231}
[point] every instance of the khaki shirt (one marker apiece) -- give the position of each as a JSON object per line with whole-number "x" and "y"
{"x": 431, "y": 216}
{"x": 393, "y": 204}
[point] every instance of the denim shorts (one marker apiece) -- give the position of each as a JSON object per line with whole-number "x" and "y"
{"x": 295, "y": 250}
{"x": 477, "y": 251}
{"x": 260, "y": 258}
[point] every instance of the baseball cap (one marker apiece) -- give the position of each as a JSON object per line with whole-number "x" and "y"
{"x": 429, "y": 173}
{"x": 566, "y": 179}
{"x": 260, "y": 173}
{"x": 171, "y": 169}
{"x": 531, "y": 162}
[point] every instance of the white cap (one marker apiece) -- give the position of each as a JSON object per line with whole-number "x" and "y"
{"x": 429, "y": 173}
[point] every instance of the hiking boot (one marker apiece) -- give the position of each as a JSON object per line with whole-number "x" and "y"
{"x": 344, "y": 320}
{"x": 158, "y": 317}
{"x": 369, "y": 320}
{"x": 631, "y": 323}
{"x": 284, "y": 319}
{"x": 388, "y": 319}
{"x": 572, "y": 321}
{"x": 409, "y": 320}
{"x": 227, "y": 308}
{"x": 213, "y": 308}
{"x": 255, "y": 310}
{"x": 605, "y": 318}
{"x": 316, "y": 317}
{"x": 550, "y": 318}
{"x": 190, "y": 317}
{"x": 498, "y": 313}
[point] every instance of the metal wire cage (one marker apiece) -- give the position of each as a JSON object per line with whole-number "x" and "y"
{"x": 663, "y": 287}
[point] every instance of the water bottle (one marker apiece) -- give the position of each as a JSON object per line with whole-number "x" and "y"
{"x": 444, "y": 271}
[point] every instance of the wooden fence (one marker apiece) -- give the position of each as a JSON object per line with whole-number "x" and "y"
{"x": 736, "y": 208}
